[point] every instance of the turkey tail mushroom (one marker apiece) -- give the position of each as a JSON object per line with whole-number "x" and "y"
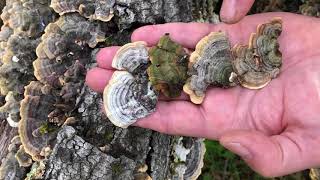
{"x": 209, "y": 64}
{"x": 94, "y": 10}
{"x": 258, "y": 63}
{"x": 127, "y": 99}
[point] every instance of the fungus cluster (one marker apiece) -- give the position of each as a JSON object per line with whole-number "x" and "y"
{"x": 132, "y": 94}
{"x": 252, "y": 66}
{"x": 256, "y": 64}
{"x": 129, "y": 95}
{"x": 93, "y": 9}
{"x": 23, "y": 25}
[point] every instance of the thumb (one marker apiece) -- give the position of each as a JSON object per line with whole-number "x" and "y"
{"x": 269, "y": 156}
{"x": 233, "y": 11}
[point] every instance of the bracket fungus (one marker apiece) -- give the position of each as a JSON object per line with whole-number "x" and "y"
{"x": 128, "y": 98}
{"x": 256, "y": 64}
{"x": 27, "y": 17}
{"x": 33, "y": 126}
{"x": 131, "y": 57}
{"x": 209, "y": 64}
{"x": 169, "y": 66}
{"x": 253, "y": 66}
{"x": 188, "y": 160}
{"x": 65, "y": 42}
{"x": 10, "y": 167}
{"x": 11, "y": 107}
{"x": 93, "y": 9}
{"x": 129, "y": 95}
{"x": 23, "y": 158}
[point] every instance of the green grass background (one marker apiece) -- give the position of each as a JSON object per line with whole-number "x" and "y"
{"x": 221, "y": 164}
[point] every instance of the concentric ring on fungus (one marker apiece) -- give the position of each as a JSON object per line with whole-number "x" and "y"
{"x": 129, "y": 95}
{"x": 209, "y": 64}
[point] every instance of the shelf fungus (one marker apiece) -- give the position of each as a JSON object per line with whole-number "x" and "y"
{"x": 209, "y": 64}
{"x": 129, "y": 95}
{"x": 12, "y": 107}
{"x": 23, "y": 158}
{"x": 27, "y": 18}
{"x": 35, "y": 130}
{"x": 256, "y": 64}
{"x": 188, "y": 159}
{"x": 169, "y": 66}
{"x": 10, "y": 167}
{"x": 93, "y": 9}
{"x": 65, "y": 42}
{"x": 128, "y": 98}
{"x": 131, "y": 57}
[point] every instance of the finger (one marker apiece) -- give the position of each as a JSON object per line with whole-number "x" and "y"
{"x": 183, "y": 97}
{"x": 175, "y": 117}
{"x": 105, "y": 55}
{"x": 233, "y": 11}
{"x": 272, "y": 156}
{"x": 98, "y": 78}
{"x": 187, "y": 34}
{"x": 293, "y": 35}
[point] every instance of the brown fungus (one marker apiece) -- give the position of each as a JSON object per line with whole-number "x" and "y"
{"x": 23, "y": 158}
{"x": 93, "y": 9}
{"x": 209, "y": 64}
{"x": 310, "y": 8}
{"x": 64, "y": 43}
{"x": 169, "y": 66}
{"x": 128, "y": 98}
{"x": 12, "y": 107}
{"x": 27, "y": 17}
{"x": 10, "y": 168}
{"x": 16, "y": 70}
{"x": 258, "y": 63}
{"x": 35, "y": 130}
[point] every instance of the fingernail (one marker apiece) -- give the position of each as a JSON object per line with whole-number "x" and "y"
{"x": 238, "y": 149}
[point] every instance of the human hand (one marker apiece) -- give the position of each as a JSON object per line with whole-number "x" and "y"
{"x": 233, "y": 11}
{"x": 276, "y": 130}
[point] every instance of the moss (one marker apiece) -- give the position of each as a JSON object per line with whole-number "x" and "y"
{"x": 47, "y": 128}
{"x": 116, "y": 168}
{"x": 108, "y": 136}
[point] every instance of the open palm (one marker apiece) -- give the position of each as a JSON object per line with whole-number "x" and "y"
{"x": 276, "y": 130}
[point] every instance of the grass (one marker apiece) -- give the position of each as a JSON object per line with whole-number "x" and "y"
{"x": 221, "y": 164}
